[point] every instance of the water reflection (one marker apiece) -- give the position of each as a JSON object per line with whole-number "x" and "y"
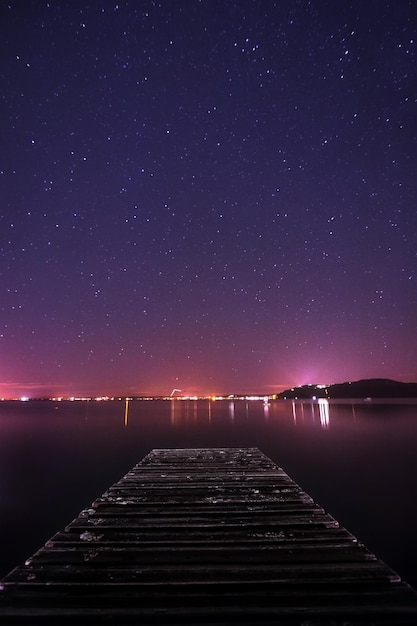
{"x": 126, "y": 416}
{"x": 187, "y": 410}
{"x": 368, "y": 449}
{"x": 321, "y": 414}
{"x": 324, "y": 412}
{"x": 294, "y": 412}
{"x": 175, "y": 409}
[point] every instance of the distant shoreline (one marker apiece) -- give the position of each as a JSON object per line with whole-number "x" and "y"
{"x": 361, "y": 390}
{"x": 373, "y": 388}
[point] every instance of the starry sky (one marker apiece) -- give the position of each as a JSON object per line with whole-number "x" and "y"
{"x": 206, "y": 195}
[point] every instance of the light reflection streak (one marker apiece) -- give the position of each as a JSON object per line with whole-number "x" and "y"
{"x": 305, "y": 408}
{"x": 173, "y": 403}
{"x": 324, "y": 412}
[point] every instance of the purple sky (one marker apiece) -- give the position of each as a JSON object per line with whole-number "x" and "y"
{"x": 208, "y": 195}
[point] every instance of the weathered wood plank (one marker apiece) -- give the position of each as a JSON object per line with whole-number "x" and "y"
{"x": 213, "y": 536}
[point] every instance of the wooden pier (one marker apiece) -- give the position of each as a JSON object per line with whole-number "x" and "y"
{"x": 205, "y": 536}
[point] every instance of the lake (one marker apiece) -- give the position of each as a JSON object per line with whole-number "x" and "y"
{"x": 358, "y": 460}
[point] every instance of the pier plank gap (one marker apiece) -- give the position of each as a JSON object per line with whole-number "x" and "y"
{"x": 205, "y": 536}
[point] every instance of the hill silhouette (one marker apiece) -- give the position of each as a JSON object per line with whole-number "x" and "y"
{"x": 367, "y": 388}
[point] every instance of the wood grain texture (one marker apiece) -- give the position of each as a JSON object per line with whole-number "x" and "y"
{"x": 208, "y": 536}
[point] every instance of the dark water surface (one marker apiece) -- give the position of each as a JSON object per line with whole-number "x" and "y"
{"x": 357, "y": 460}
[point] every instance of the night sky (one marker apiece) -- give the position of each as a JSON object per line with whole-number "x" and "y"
{"x": 213, "y": 196}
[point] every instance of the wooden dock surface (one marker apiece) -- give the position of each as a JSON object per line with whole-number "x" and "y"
{"x": 205, "y": 536}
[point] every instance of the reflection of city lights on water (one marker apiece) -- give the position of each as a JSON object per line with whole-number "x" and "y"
{"x": 294, "y": 412}
{"x": 324, "y": 412}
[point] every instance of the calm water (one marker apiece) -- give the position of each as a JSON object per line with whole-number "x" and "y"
{"x": 357, "y": 460}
